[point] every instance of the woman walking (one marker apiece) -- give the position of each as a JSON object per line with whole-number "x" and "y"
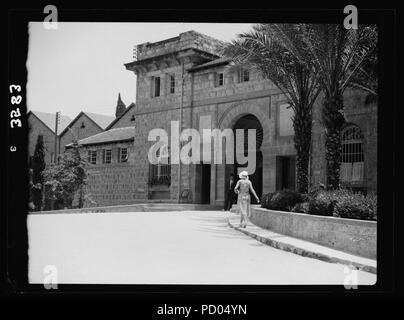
{"x": 242, "y": 189}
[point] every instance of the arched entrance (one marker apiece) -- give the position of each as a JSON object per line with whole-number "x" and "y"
{"x": 246, "y": 122}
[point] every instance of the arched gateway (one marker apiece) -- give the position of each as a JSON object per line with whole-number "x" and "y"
{"x": 245, "y": 116}
{"x": 245, "y": 123}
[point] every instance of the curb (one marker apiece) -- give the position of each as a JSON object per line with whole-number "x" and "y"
{"x": 303, "y": 252}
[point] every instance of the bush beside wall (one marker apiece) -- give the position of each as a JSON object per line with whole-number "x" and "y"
{"x": 338, "y": 203}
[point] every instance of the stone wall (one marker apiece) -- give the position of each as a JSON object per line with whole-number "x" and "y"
{"x": 186, "y": 40}
{"x": 126, "y": 120}
{"x": 356, "y": 112}
{"x": 353, "y": 236}
{"x": 90, "y": 129}
{"x": 36, "y": 127}
{"x": 112, "y": 183}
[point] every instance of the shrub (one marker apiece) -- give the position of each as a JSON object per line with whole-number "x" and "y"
{"x": 356, "y": 206}
{"x": 283, "y": 200}
{"x": 301, "y": 207}
{"x": 265, "y": 200}
{"x": 321, "y": 204}
{"x": 342, "y": 203}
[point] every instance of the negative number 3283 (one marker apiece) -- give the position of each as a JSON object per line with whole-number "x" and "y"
{"x": 15, "y": 100}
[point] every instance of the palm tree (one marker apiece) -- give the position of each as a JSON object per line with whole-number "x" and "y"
{"x": 277, "y": 50}
{"x": 338, "y": 55}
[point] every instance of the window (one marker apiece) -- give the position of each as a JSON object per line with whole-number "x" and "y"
{"x": 156, "y": 86}
{"x": 243, "y": 75}
{"x": 172, "y": 84}
{"x": 92, "y": 156}
{"x": 219, "y": 79}
{"x": 106, "y": 156}
{"x": 352, "y": 156}
{"x": 123, "y": 155}
{"x": 160, "y": 173}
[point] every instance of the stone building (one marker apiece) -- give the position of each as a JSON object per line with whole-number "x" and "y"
{"x": 44, "y": 123}
{"x": 85, "y": 124}
{"x": 185, "y": 79}
{"x": 111, "y": 166}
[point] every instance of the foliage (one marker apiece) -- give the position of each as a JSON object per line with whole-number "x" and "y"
{"x": 276, "y": 50}
{"x": 38, "y": 167}
{"x": 356, "y": 206}
{"x": 283, "y": 200}
{"x": 301, "y": 207}
{"x": 341, "y": 202}
{"x": 31, "y": 206}
{"x": 265, "y": 199}
{"x": 338, "y": 56}
{"x": 160, "y": 180}
{"x": 321, "y": 204}
{"x": 67, "y": 177}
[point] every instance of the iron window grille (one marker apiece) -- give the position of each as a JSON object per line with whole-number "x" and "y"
{"x": 352, "y": 155}
{"x": 160, "y": 173}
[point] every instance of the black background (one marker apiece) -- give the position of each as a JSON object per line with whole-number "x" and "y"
{"x": 14, "y": 256}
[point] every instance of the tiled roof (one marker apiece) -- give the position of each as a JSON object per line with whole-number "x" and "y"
{"x": 49, "y": 120}
{"x": 113, "y": 135}
{"x": 102, "y": 120}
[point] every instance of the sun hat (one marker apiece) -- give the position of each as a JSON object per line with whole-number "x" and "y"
{"x": 243, "y": 174}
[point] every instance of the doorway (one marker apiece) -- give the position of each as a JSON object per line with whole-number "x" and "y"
{"x": 205, "y": 183}
{"x": 285, "y": 172}
{"x": 251, "y": 122}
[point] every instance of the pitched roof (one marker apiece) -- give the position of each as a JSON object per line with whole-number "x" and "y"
{"x": 117, "y": 119}
{"x": 49, "y": 120}
{"x": 102, "y": 120}
{"x": 113, "y": 135}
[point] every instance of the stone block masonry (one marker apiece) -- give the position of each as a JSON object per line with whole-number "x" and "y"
{"x": 111, "y": 185}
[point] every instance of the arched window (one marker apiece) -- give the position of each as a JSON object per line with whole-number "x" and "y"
{"x": 352, "y": 156}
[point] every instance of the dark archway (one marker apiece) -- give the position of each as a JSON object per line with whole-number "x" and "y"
{"x": 251, "y": 122}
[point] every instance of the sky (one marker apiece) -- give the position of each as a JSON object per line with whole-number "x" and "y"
{"x": 80, "y": 66}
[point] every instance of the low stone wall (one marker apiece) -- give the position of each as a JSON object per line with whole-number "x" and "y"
{"x": 353, "y": 236}
{"x": 151, "y": 206}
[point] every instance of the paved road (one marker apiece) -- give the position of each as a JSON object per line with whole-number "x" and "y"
{"x": 194, "y": 247}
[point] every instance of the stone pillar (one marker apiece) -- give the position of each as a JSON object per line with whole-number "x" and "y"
{"x": 268, "y": 171}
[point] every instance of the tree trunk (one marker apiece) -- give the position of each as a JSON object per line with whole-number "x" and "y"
{"x": 333, "y": 120}
{"x": 302, "y": 124}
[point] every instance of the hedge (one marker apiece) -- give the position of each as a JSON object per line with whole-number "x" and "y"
{"x": 338, "y": 203}
{"x": 283, "y": 200}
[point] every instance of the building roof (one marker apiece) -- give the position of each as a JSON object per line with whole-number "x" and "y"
{"x": 109, "y": 136}
{"x": 102, "y": 121}
{"x": 48, "y": 119}
{"x": 132, "y": 105}
{"x": 211, "y": 64}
